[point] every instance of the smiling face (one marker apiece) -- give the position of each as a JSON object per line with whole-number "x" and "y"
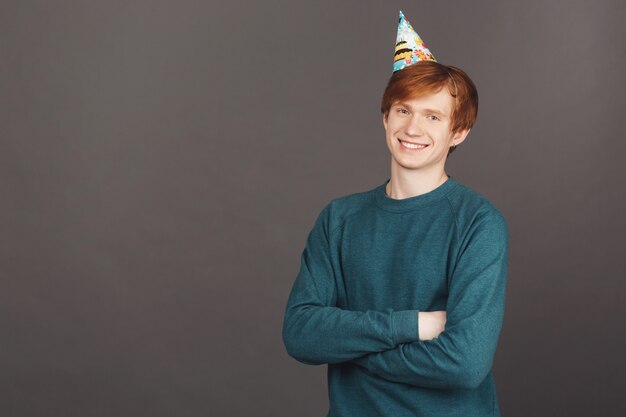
{"x": 418, "y": 132}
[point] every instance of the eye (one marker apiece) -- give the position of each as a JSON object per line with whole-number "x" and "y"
{"x": 403, "y": 111}
{"x": 433, "y": 117}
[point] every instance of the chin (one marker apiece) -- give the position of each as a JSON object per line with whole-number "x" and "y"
{"x": 406, "y": 165}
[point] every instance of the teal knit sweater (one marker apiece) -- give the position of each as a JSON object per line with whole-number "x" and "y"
{"x": 370, "y": 265}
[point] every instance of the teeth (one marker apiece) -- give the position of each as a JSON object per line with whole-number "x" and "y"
{"x": 412, "y": 146}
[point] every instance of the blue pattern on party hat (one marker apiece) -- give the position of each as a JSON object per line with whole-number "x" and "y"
{"x": 409, "y": 46}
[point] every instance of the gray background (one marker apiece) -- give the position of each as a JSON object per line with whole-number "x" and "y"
{"x": 163, "y": 162}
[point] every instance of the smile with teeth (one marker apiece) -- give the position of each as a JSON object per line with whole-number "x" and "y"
{"x": 410, "y": 145}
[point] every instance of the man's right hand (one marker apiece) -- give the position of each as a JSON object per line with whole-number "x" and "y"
{"x": 431, "y": 323}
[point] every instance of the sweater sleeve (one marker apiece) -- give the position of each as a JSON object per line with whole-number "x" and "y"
{"x": 315, "y": 331}
{"x": 462, "y": 355}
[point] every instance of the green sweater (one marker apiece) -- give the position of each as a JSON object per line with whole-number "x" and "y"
{"x": 370, "y": 264}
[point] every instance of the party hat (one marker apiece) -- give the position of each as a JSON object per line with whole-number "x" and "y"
{"x": 409, "y": 46}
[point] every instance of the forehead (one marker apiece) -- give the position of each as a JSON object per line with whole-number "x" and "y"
{"x": 441, "y": 101}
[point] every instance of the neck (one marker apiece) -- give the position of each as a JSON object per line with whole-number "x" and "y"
{"x": 410, "y": 184}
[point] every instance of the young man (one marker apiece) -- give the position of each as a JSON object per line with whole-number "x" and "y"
{"x": 401, "y": 289}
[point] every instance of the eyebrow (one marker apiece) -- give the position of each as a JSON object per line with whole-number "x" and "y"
{"x": 439, "y": 112}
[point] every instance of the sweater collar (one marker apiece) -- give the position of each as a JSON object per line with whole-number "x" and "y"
{"x": 405, "y": 204}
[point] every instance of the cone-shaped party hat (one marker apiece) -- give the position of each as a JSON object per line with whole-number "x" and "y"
{"x": 409, "y": 46}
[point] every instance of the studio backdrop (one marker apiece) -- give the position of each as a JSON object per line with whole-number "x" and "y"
{"x": 162, "y": 162}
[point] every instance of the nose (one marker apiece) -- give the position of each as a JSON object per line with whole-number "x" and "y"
{"x": 414, "y": 127}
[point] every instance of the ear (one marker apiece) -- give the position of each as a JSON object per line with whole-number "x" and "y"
{"x": 385, "y": 120}
{"x": 460, "y": 136}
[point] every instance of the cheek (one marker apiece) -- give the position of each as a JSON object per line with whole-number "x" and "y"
{"x": 441, "y": 132}
{"x": 394, "y": 126}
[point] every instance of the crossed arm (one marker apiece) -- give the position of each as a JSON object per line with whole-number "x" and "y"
{"x": 392, "y": 344}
